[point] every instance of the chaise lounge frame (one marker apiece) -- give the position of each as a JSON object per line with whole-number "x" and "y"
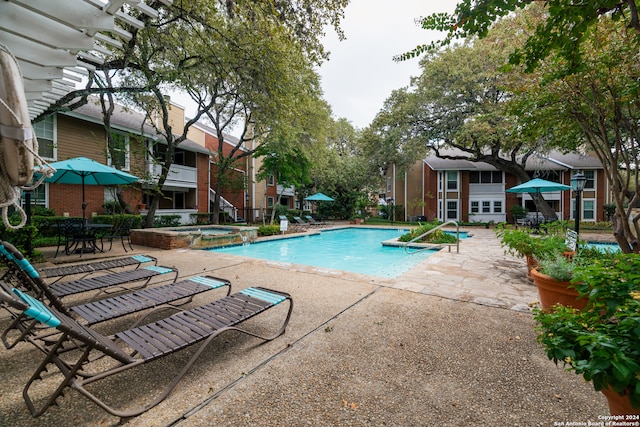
{"x": 148, "y": 343}
{"x": 94, "y": 312}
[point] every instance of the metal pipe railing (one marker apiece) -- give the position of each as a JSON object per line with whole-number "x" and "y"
{"x": 406, "y": 245}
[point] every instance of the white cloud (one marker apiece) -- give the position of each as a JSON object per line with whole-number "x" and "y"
{"x": 361, "y": 73}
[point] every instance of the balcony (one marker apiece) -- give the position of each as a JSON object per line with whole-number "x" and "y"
{"x": 179, "y": 176}
{"x": 289, "y": 191}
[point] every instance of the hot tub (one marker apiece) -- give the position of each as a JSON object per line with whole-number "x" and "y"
{"x": 197, "y": 237}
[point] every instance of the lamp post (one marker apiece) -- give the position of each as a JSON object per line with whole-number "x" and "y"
{"x": 578, "y": 181}
{"x": 392, "y": 213}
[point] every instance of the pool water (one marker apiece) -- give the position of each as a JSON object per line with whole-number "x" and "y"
{"x": 604, "y": 246}
{"x": 358, "y": 250}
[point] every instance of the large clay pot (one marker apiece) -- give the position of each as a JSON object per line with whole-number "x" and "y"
{"x": 531, "y": 264}
{"x": 552, "y": 292}
{"x": 619, "y": 404}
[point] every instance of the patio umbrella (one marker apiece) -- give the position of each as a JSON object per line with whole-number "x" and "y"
{"x": 319, "y": 197}
{"x": 84, "y": 171}
{"x": 537, "y": 186}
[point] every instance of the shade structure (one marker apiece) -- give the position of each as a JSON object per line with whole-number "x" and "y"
{"x": 537, "y": 186}
{"x": 319, "y": 197}
{"x": 84, "y": 171}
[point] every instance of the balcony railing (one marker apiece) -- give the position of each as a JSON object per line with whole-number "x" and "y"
{"x": 179, "y": 176}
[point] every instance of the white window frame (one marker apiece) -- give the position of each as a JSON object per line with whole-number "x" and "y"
{"x": 127, "y": 152}
{"x": 54, "y": 136}
{"x": 447, "y": 218}
{"x": 452, "y": 181}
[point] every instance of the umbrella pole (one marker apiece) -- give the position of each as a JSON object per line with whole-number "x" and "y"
{"x": 84, "y": 205}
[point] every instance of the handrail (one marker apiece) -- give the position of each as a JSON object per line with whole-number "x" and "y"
{"x": 406, "y": 245}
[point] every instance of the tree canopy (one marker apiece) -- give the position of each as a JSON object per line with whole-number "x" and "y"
{"x": 564, "y": 30}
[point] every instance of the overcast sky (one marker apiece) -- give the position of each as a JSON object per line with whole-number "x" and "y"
{"x": 361, "y": 73}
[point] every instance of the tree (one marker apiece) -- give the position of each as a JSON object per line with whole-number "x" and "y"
{"x": 191, "y": 43}
{"x": 458, "y": 109}
{"x": 599, "y": 104}
{"x": 342, "y": 171}
{"x": 564, "y": 30}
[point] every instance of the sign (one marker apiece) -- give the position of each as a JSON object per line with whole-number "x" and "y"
{"x": 571, "y": 240}
{"x": 284, "y": 224}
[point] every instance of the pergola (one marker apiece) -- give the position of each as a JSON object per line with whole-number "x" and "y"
{"x": 56, "y": 42}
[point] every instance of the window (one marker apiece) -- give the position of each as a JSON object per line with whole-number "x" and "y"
{"x": 588, "y": 210}
{"x": 118, "y": 155}
{"x": 452, "y": 209}
{"x": 270, "y": 201}
{"x": 485, "y": 177}
{"x": 452, "y": 180}
{"x": 590, "y": 184}
{"x": 46, "y": 134}
{"x": 388, "y": 184}
{"x": 486, "y": 206}
{"x": 38, "y": 197}
{"x": 270, "y": 181}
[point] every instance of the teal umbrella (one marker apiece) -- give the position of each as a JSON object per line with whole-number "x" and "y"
{"x": 81, "y": 170}
{"x": 537, "y": 186}
{"x": 319, "y": 197}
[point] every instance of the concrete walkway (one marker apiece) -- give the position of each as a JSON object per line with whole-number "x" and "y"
{"x": 449, "y": 343}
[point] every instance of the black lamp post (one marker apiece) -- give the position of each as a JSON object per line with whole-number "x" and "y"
{"x": 578, "y": 181}
{"x": 392, "y": 213}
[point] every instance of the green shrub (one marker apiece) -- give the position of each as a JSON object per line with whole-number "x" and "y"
{"x": 166, "y": 221}
{"x": 268, "y": 230}
{"x": 437, "y": 236}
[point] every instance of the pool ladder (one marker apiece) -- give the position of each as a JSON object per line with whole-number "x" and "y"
{"x": 406, "y": 245}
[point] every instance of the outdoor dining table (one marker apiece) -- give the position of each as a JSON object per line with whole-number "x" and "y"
{"x": 78, "y": 236}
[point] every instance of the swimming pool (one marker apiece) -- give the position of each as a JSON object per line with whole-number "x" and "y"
{"x": 358, "y": 250}
{"x": 604, "y": 246}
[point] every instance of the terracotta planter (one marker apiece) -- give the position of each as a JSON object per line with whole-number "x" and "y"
{"x": 619, "y": 404}
{"x": 552, "y": 292}
{"x": 531, "y": 264}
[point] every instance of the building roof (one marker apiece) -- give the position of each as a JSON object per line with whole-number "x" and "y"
{"x": 229, "y": 139}
{"x": 554, "y": 160}
{"x": 129, "y": 120}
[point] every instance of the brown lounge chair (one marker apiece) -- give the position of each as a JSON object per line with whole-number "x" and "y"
{"x": 21, "y": 272}
{"x": 137, "y": 346}
{"x": 91, "y": 267}
{"x": 98, "y": 282}
{"x": 315, "y": 223}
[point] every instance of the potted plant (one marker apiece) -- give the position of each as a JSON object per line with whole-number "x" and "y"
{"x": 520, "y": 242}
{"x": 552, "y": 276}
{"x": 602, "y": 341}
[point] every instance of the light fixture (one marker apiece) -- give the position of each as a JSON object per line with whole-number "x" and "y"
{"x": 578, "y": 181}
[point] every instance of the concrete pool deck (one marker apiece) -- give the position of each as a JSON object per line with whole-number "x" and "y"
{"x": 449, "y": 343}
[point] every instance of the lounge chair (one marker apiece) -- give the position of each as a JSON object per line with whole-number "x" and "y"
{"x": 315, "y": 223}
{"x": 96, "y": 282}
{"x": 301, "y": 223}
{"x": 160, "y": 297}
{"x": 134, "y": 347}
{"x": 91, "y": 267}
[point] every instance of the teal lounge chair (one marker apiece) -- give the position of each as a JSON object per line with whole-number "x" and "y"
{"x": 133, "y": 347}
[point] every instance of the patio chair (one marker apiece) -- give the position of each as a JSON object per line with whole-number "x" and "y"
{"x": 300, "y": 223}
{"x": 91, "y": 267}
{"x": 134, "y": 347}
{"x": 121, "y": 230}
{"x": 168, "y": 296}
{"x": 68, "y": 231}
{"x": 315, "y": 223}
{"x": 98, "y": 282}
